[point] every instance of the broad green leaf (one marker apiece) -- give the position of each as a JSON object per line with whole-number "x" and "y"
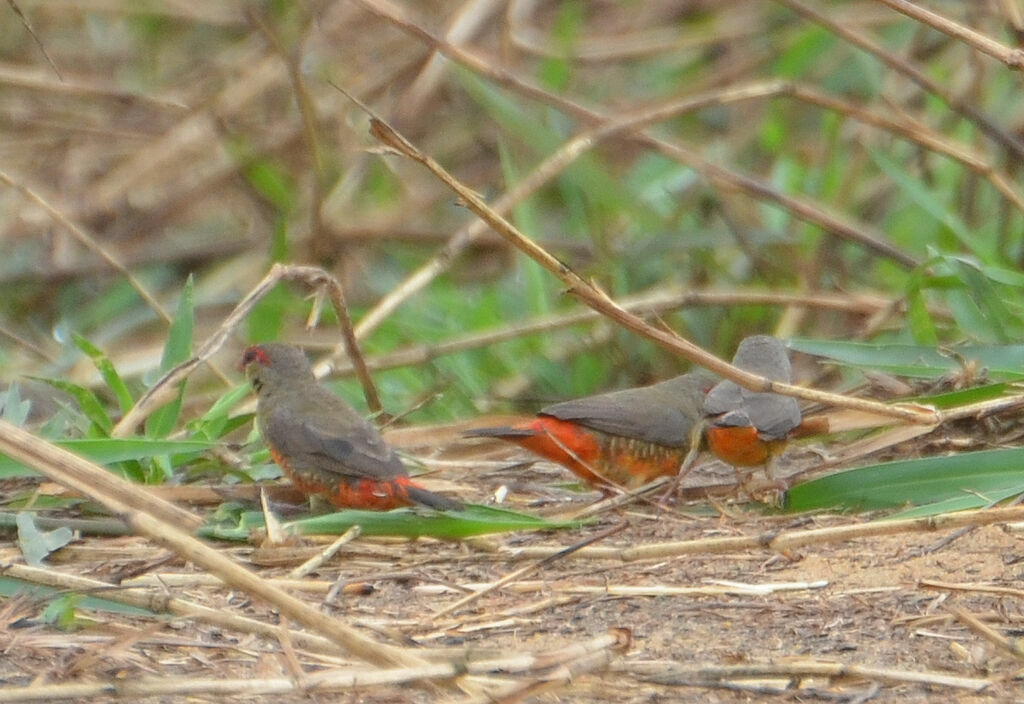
{"x": 983, "y": 475}
{"x": 407, "y": 522}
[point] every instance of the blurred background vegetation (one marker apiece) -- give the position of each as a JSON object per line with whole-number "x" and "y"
{"x": 852, "y": 175}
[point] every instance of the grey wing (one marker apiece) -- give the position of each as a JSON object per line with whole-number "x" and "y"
{"x": 724, "y": 397}
{"x": 773, "y": 415}
{"x": 315, "y": 445}
{"x": 628, "y": 414}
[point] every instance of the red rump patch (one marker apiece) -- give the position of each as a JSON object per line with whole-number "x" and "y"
{"x": 365, "y": 493}
{"x": 565, "y": 443}
{"x": 370, "y": 494}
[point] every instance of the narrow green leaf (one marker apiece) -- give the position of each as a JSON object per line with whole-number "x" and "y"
{"x": 267, "y": 317}
{"x": 87, "y": 401}
{"x": 216, "y": 422}
{"x": 272, "y": 182}
{"x": 922, "y": 327}
{"x": 1002, "y": 325}
{"x": 107, "y": 451}
{"x": 963, "y": 397}
{"x": 179, "y": 338}
{"x": 107, "y": 370}
{"x": 934, "y": 204}
{"x": 177, "y": 349}
{"x": 961, "y": 503}
{"x": 222, "y": 406}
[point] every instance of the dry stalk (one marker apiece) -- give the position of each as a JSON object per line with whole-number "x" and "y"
{"x": 531, "y": 39}
{"x": 1012, "y": 57}
{"x": 975, "y": 588}
{"x": 465, "y": 23}
{"x": 35, "y": 37}
{"x": 529, "y": 569}
{"x": 309, "y": 118}
{"x": 330, "y": 551}
{"x": 919, "y": 134}
{"x": 575, "y": 658}
{"x": 715, "y": 588}
{"x": 133, "y": 689}
{"x": 562, "y": 676}
{"x": 193, "y": 580}
{"x": 154, "y": 597}
{"x": 673, "y": 673}
{"x": 656, "y": 301}
{"x": 90, "y": 243}
{"x": 978, "y": 628}
{"x": 776, "y": 541}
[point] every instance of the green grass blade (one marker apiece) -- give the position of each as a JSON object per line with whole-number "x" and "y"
{"x": 960, "y": 503}
{"x": 934, "y": 204}
{"x": 179, "y": 338}
{"x": 107, "y": 371}
{"x": 107, "y": 451}
{"x": 177, "y": 349}
{"x": 88, "y": 402}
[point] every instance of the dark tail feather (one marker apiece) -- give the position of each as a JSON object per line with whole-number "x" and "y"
{"x": 428, "y": 498}
{"x": 503, "y": 432}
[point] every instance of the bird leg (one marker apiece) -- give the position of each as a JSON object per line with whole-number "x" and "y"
{"x": 688, "y": 462}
